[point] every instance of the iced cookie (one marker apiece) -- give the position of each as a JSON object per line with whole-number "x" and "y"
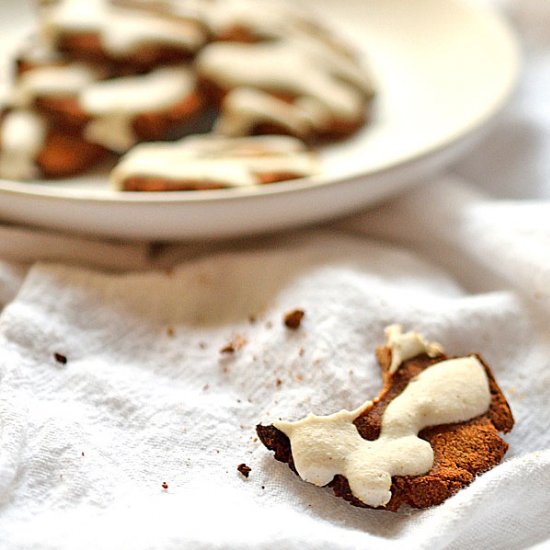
{"x": 30, "y": 148}
{"x": 299, "y": 81}
{"x": 432, "y": 429}
{"x": 211, "y": 162}
{"x": 241, "y": 20}
{"x": 101, "y": 31}
{"x": 115, "y": 113}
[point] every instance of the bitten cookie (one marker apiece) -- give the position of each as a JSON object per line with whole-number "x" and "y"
{"x": 116, "y": 112}
{"x": 30, "y": 148}
{"x": 433, "y": 428}
{"x": 213, "y": 162}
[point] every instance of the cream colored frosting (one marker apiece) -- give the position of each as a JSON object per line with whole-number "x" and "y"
{"x": 156, "y": 91}
{"x": 115, "y": 103}
{"x": 408, "y": 345}
{"x": 232, "y": 162}
{"x": 244, "y": 108}
{"x": 121, "y": 31}
{"x": 22, "y": 137}
{"x": 451, "y": 391}
{"x": 53, "y": 81}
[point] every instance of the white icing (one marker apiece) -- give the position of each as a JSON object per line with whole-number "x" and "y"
{"x": 230, "y": 162}
{"x": 115, "y": 103}
{"x": 121, "y": 31}
{"x": 299, "y": 65}
{"x": 451, "y": 391}
{"x": 114, "y": 132}
{"x": 66, "y": 80}
{"x": 22, "y": 137}
{"x": 408, "y": 345}
{"x": 244, "y": 108}
{"x": 156, "y": 91}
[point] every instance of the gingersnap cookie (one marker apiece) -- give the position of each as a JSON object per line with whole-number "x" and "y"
{"x": 31, "y": 148}
{"x": 98, "y": 30}
{"x": 213, "y": 162}
{"x": 115, "y": 113}
{"x": 299, "y": 80}
{"x": 432, "y": 428}
{"x": 238, "y": 20}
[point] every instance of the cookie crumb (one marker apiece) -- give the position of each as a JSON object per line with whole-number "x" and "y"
{"x": 170, "y": 331}
{"x": 293, "y": 319}
{"x": 60, "y": 358}
{"x": 164, "y": 485}
{"x": 206, "y": 387}
{"x": 252, "y": 319}
{"x": 244, "y": 469}
{"x": 82, "y": 453}
{"x": 236, "y": 344}
{"x": 229, "y": 348}
{"x": 301, "y": 352}
{"x": 278, "y": 382}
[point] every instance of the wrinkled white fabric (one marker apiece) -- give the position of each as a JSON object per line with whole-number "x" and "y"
{"x": 147, "y": 397}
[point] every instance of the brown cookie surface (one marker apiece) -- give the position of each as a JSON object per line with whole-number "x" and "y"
{"x": 461, "y": 451}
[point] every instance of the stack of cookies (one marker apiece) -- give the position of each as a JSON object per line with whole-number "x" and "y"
{"x": 101, "y": 76}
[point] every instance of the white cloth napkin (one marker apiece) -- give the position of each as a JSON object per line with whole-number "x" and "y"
{"x": 146, "y": 396}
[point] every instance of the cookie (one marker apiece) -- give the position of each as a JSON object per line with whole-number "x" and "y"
{"x": 213, "y": 162}
{"x": 432, "y": 429}
{"x": 98, "y": 30}
{"x": 30, "y": 148}
{"x": 36, "y": 52}
{"x": 238, "y": 20}
{"x": 115, "y": 113}
{"x": 304, "y": 82}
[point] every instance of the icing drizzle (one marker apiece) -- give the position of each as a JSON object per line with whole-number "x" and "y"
{"x": 22, "y": 137}
{"x": 121, "y": 31}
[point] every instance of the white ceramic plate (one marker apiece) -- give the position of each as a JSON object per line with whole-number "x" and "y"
{"x": 444, "y": 68}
